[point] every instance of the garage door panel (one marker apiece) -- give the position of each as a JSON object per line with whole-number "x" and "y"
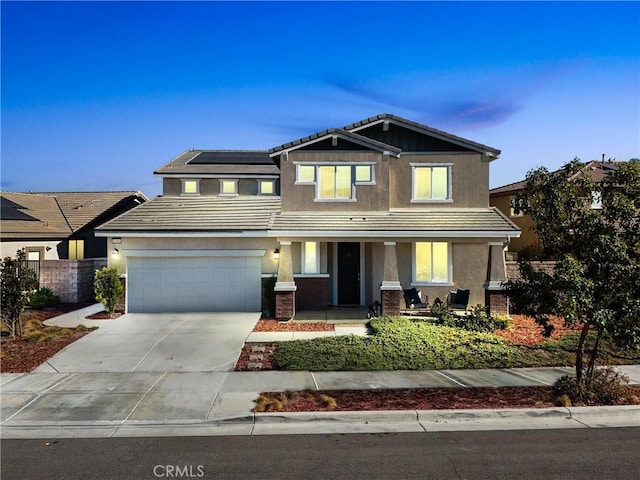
{"x": 193, "y": 284}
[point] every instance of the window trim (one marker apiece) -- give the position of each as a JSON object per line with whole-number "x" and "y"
{"x": 234, "y": 181}
{"x": 262, "y": 182}
{"x": 414, "y": 266}
{"x": 449, "y": 197}
{"x": 303, "y": 259}
{"x": 75, "y": 252}
{"x": 184, "y": 181}
{"x": 354, "y": 183}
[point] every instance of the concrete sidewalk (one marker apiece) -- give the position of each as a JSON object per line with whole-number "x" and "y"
{"x": 154, "y": 402}
{"x": 47, "y": 405}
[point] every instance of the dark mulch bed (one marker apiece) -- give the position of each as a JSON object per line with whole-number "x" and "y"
{"x": 103, "y": 315}
{"x": 271, "y": 325}
{"x": 417, "y": 399}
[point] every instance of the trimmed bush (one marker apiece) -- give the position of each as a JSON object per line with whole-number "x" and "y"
{"x": 43, "y": 298}
{"x": 108, "y": 287}
{"x": 476, "y": 320}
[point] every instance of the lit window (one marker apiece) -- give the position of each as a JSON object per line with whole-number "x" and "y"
{"x": 190, "y": 187}
{"x": 310, "y": 257}
{"x": 305, "y": 173}
{"x": 334, "y": 181}
{"x": 266, "y": 187}
{"x": 431, "y": 262}
{"x": 76, "y": 249}
{"x": 596, "y": 200}
{"x": 228, "y": 187}
{"x": 431, "y": 183}
{"x": 363, "y": 173}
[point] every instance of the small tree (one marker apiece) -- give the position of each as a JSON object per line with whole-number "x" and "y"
{"x": 108, "y": 288}
{"x": 17, "y": 281}
{"x": 596, "y": 279}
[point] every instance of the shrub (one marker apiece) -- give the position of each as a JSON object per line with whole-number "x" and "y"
{"x": 43, "y": 298}
{"x": 108, "y": 287}
{"x": 606, "y": 387}
{"x": 476, "y": 320}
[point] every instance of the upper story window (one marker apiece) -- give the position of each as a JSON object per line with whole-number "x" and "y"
{"x": 515, "y": 210}
{"x": 335, "y": 181}
{"x": 228, "y": 187}
{"x": 266, "y": 187}
{"x": 431, "y": 183}
{"x": 190, "y": 187}
{"x": 596, "y": 200}
{"x": 431, "y": 262}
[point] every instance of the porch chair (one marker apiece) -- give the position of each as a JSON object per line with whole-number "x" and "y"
{"x": 459, "y": 299}
{"x": 413, "y": 301}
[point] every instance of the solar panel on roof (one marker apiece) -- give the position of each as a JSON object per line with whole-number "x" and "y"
{"x": 232, "y": 158}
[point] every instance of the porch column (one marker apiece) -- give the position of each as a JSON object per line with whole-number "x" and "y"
{"x": 285, "y": 287}
{"x": 494, "y": 298}
{"x": 390, "y": 290}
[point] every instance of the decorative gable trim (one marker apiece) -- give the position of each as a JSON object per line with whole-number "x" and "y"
{"x": 488, "y": 153}
{"x": 334, "y": 134}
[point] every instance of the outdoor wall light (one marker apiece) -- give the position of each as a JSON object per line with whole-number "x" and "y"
{"x": 115, "y": 253}
{"x": 276, "y": 254}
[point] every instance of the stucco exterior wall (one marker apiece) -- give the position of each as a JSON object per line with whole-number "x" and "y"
{"x": 367, "y": 197}
{"x": 9, "y": 249}
{"x": 524, "y": 223}
{"x": 469, "y": 180}
{"x": 209, "y": 186}
{"x": 269, "y": 264}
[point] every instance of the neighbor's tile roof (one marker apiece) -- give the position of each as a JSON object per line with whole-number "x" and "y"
{"x": 26, "y": 215}
{"x": 81, "y": 208}
{"x": 243, "y": 213}
{"x": 199, "y": 213}
{"x": 597, "y": 170}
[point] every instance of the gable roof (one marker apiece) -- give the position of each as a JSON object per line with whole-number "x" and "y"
{"x": 219, "y": 162}
{"x": 424, "y": 129}
{"x": 597, "y": 170}
{"x": 25, "y": 215}
{"x": 58, "y": 214}
{"x": 343, "y": 134}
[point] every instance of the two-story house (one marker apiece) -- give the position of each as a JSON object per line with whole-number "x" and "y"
{"x": 528, "y": 243}
{"x": 342, "y": 217}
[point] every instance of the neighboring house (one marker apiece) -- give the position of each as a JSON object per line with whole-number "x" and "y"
{"x": 59, "y": 225}
{"x": 503, "y": 199}
{"x": 343, "y": 217}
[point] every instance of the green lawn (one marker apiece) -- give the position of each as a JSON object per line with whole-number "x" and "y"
{"x": 402, "y": 344}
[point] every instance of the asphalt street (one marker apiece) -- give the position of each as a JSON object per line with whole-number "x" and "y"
{"x": 585, "y": 454}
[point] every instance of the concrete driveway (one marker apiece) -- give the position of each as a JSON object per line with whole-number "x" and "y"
{"x": 158, "y": 342}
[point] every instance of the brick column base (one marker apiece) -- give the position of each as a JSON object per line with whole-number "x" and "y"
{"x": 391, "y": 302}
{"x": 497, "y": 302}
{"x": 285, "y": 305}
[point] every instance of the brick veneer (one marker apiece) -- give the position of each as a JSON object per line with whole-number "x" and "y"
{"x": 71, "y": 280}
{"x": 312, "y": 293}
{"x": 285, "y": 305}
{"x": 496, "y": 302}
{"x": 391, "y": 302}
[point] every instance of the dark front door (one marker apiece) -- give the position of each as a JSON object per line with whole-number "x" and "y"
{"x": 348, "y": 273}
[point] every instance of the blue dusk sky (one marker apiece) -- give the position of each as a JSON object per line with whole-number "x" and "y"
{"x": 96, "y": 95}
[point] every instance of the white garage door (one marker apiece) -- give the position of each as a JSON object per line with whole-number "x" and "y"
{"x": 201, "y": 284}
